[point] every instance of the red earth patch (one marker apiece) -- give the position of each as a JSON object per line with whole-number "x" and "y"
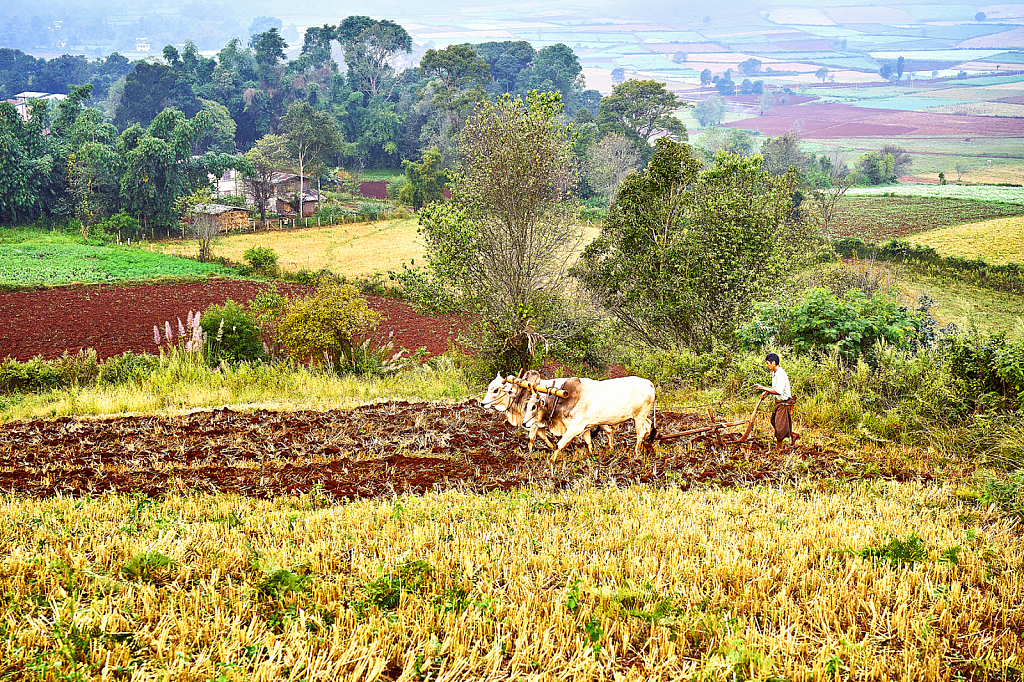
{"x": 114, "y": 319}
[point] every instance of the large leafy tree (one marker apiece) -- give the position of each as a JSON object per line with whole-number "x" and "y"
{"x": 640, "y": 110}
{"x": 370, "y": 48}
{"x": 686, "y": 249}
{"x": 150, "y": 89}
{"x": 557, "y": 69}
{"x": 509, "y": 63}
{"x": 268, "y": 155}
{"x": 25, "y": 162}
{"x": 425, "y": 180}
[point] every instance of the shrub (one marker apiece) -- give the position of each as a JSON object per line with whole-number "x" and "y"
{"x": 327, "y": 325}
{"x": 230, "y": 334}
{"x": 32, "y": 375}
{"x": 262, "y": 260}
{"x": 127, "y": 368}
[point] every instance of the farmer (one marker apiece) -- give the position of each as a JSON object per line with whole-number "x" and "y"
{"x": 782, "y": 417}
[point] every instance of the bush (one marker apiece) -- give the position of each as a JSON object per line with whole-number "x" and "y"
{"x": 262, "y": 261}
{"x": 230, "y": 334}
{"x": 32, "y": 375}
{"x": 127, "y": 368}
{"x": 327, "y": 325}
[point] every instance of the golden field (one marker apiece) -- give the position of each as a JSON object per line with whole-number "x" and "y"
{"x": 997, "y": 241}
{"x": 352, "y": 249}
{"x": 797, "y": 583}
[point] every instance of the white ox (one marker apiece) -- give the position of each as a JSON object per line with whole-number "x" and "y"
{"x": 594, "y": 403}
{"x": 512, "y": 399}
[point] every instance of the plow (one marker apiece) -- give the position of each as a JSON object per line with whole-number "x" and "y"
{"x": 716, "y": 432}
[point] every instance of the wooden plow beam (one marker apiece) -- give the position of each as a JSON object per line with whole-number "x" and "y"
{"x": 536, "y": 387}
{"x": 717, "y": 429}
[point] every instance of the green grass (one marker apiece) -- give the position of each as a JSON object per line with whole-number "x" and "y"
{"x": 877, "y": 218}
{"x": 968, "y": 306}
{"x": 987, "y": 193}
{"x": 998, "y": 241}
{"x": 43, "y": 259}
{"x": 387, "y": 174}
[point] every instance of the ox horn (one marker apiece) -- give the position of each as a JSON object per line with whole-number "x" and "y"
{"x": 561, "y": 393}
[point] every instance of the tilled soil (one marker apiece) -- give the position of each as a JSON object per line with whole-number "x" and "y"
{"x": 376, "y": 450}
{"x": 115, "y": 319}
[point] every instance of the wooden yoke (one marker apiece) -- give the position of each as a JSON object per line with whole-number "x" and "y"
{"x": 536, "y": 387}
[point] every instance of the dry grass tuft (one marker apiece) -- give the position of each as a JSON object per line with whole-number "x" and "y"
{"x": 875, "y": 581}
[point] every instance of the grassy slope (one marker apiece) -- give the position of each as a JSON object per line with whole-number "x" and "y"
{"x": 41, "y": 258}
{"x": 968, "y": 306}
{"x": 639, "y": 583}
{"x": 997, "y": 241}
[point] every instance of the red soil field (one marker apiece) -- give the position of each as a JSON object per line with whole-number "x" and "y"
{"x": 383, "y": 450}
{"x": 115, "y": 319}
{"x": 829, "y": 121}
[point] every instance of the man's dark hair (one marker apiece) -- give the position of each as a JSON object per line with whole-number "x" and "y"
{"x": 772, "y": 357}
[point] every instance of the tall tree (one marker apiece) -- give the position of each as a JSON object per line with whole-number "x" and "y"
{"x": 641, "y": 109}
{"x": 268, "y": 155}
{"x": 310, "y": 134}
{"x": 556, "y": 68}
{"x": 502, "y": 247}
{"x": 26, "y": 162}
{"x": 370, "y": 47}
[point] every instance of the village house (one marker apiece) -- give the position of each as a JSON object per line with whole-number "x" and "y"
{"x": 223, "y": 218}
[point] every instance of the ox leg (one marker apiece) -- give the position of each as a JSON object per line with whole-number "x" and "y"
{"x": 643, "y": 427}
{"x": 610, "y": 432}
{"x": 566, "y": 438}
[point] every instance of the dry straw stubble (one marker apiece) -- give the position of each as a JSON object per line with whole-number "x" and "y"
{"x": 593, "y": 584}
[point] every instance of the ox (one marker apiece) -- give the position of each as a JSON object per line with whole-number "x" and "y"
{"x": 591, "y": 404}
{"x": 511, "y": 399}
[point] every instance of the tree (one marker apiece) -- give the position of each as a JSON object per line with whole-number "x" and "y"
{"x": 194, "y": 210}
{"x": 266, "y": 157}
{"x": 501, "y": 248}
{"x": 609, "y": 162}
{"x": 710, "y": 112}
{"x": 887, "y": 71}
{"x": 327, "y": 325}
{"x": 370, "y": 46}
{"x": 462, "y": 74}
{"x": 980, "y": 16}
{"x": 618, "y": 76}
{"x": 961, "y": 168}
{"x": 640, "y": 109}
{"x": 900, "y": 66}
{"x": 684, "y": 251}
{"x": 750, "y": 67}
{"x": 26, "y": 162}
{"x": 732, "y": 140}
{"x": 556, "y": 68}
{"x": 425, "y": 180}
{"x": 826, "y": 199}
{"x": 902, "y": 160}
{"x": 821, "y": 74}
{"x": 310, "y": 134}
{"x": 150, "y": 89}
{"x": 726, "y": 86}
{"x": 766, "y": 102}
{"x": 705, "y": 77}
{"x": 877, "y": 168}
{"x": 220, "y": 136}
{"x": 783, "y": 152}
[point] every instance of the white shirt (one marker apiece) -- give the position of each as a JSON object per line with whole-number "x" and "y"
{"x": 780, "y": 383}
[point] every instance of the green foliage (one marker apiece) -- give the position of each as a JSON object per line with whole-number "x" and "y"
{"x": 150, "y": 567}
{"x": 386, "y": 591}
{"x": 898, "y": 552}
{"x": 640, "y": 109}
{"x": 1005, "y": 490}
{"x": 230, "y": 334}
{"x": 425, "y": 180}
{"x": 326, "y": 326}
{"x": 262, "y": 260}
{"x": 280, "y": 582}
{"x": 988, "y": 369}
{"x": 128, "y": 367}
{"x": 685, "y": 250}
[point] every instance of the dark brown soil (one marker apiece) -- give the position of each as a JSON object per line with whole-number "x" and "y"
{"x": 115, "y": 319}
{"x": 381, "y": 450}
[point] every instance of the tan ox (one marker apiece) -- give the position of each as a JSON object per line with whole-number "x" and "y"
{"x": 512, "y": 399}
{"x": 594, "y": 403}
